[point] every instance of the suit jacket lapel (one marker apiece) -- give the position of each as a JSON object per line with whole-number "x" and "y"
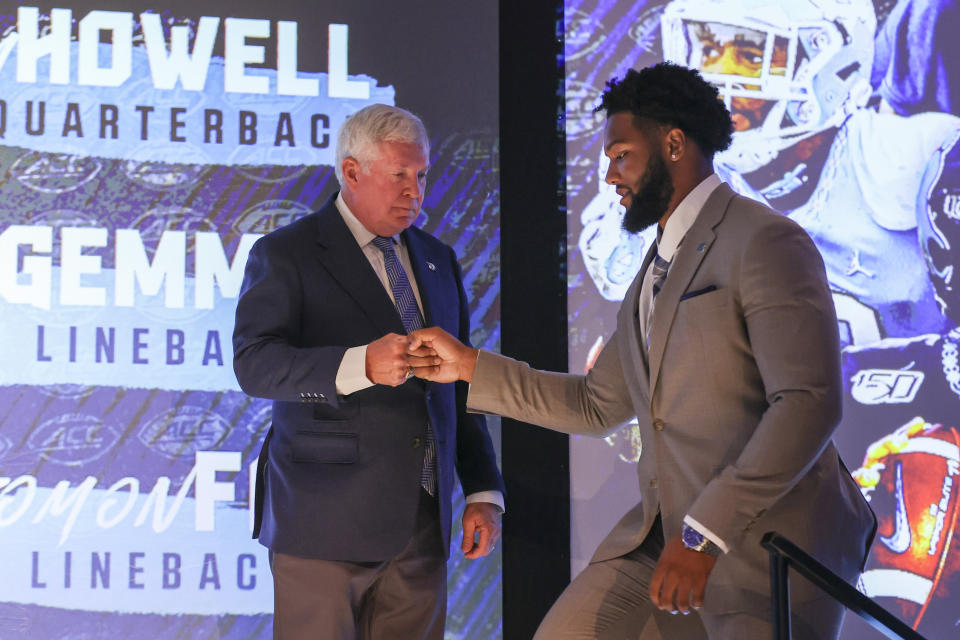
{"x": 628, "y": 325}
{"x": 695, "y": 246}
{"x": 421, "y": 261}
{"x": 345, "y": 261}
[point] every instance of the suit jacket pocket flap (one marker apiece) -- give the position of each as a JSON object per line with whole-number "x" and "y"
{"x": 699, "y": 292}
{"x": 328, "y": 448}
{"x": 704, "y": 299}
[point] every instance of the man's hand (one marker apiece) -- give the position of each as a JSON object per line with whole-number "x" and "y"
{"x": 480, "y": 520}
{"x": 680, "y": 579}
{"x": 436, "y": 355}
{"x": 387, "y": 360}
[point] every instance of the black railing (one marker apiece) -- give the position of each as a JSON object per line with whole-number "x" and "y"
{"x": 784, "y": 554}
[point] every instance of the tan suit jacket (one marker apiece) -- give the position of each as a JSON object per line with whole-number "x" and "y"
{"x": 736, "y": 402}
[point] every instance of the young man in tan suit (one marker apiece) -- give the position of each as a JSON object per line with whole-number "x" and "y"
{"x": 726, "y": 349}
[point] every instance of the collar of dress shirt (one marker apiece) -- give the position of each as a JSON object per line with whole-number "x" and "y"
{"x": 684, "y": 216}
{"x": 361, "y": 234}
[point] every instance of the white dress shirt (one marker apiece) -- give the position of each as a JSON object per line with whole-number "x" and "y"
{"x": 351, "y": 375}
{"x": 674, "y": 232}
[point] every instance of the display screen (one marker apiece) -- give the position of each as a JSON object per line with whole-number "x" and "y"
{"x": 143, "y": 148}
{"x": 846, "y": 120}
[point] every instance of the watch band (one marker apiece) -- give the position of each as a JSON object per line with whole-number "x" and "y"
{"x": 696, "y": 541}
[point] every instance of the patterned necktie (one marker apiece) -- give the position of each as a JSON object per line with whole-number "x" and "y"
{"x": 403, "y": 297}
{"x": 658, "y": 275}
{"x": 406, "y": 304}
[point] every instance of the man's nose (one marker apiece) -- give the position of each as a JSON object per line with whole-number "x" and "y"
{"x": 611, "y": 177}
{"x": 413, "y": 189}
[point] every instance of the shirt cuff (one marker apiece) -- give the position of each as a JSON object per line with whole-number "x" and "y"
{"x": 493, "y": 497}
{"x": 706, "y": 533}
{"x": 352, "y": 374}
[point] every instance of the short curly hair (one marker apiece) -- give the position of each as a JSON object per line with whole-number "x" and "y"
{"x": 668, "y": 94}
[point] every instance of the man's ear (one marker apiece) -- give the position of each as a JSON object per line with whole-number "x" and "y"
{"x": 675, "y": 144}
{"x": 351, "y": 170}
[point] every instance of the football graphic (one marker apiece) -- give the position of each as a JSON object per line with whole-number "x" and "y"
{"x": 910, "y": 478}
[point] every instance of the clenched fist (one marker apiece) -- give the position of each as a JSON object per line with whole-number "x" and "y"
{"x": 388, "y": 361}
{"x": 436, "y": 355}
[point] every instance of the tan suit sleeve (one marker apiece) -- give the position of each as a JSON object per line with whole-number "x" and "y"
{"x": 596, "y": 404}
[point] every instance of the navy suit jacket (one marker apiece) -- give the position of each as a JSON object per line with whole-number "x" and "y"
{"x": 338, "y": 476}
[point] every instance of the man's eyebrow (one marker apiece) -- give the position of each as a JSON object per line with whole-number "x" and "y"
{"x": 613, "y": 142}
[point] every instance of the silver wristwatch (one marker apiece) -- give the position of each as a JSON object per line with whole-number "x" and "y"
{"x": 696, "y": 541}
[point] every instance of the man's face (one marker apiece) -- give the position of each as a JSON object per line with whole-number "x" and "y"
{"x": 731, "y": 50}
{"x": 387, "y": 193}
{"x": 638, "y": 171}
{"x": 735, "y": 57}
{"x": 727, "y": 50}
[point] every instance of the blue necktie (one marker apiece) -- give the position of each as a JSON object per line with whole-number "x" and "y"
{"x": 403, "y": 297}
{"x": 406, "y": 304}
{"x": 658, "y": 275}
{"x": 658, "y": 271}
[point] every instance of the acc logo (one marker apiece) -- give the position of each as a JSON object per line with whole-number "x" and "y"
{"x": 271, "y": 165}
{"x": 580, "y": 168}
{"x": 73, "y": 439}
{"x": 268, "y": 215}
{"x": 582, "y": 120}
{"x": 154, "y": 222}
{"x": 54, "y": 172}
{"x": 61, "y": 218}
{"x": 885, "y": 386}
{"x": 182, "y": 432}
{"x": 583, "y": 34}
{"x": 141, "y": 168}
{"x": 461, "y": 152}
{"x": 644, "y": 32}
{"x": 67, "y": 391}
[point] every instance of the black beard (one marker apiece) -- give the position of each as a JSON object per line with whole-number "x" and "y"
{"x": 650, "y": 199}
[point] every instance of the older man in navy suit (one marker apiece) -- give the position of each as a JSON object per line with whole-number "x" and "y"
{"x": 356, "y": 472}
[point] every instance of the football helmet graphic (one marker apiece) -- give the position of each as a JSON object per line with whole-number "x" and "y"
{"x": 939, "y": 225}
{"x": 785, "y": 71}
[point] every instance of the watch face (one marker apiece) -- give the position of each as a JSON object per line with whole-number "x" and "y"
{"x": 691, "y": 537}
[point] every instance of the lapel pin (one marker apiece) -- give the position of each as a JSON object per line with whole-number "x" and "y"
{"x": 431, "y": 266}
{"x": 703, "y": 245}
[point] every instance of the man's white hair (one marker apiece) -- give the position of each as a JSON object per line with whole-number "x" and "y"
{"x": 363, "y": 132}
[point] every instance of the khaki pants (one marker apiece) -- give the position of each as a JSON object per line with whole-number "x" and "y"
{"x": 405, "y": 597}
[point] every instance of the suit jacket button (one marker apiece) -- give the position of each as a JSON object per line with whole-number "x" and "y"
{"x": 658, "y": 425}
{"x": 417, "y": 442}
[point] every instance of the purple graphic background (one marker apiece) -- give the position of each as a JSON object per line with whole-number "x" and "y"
{"x": 69, "y": 432}
{"x": 863, "y": 186}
